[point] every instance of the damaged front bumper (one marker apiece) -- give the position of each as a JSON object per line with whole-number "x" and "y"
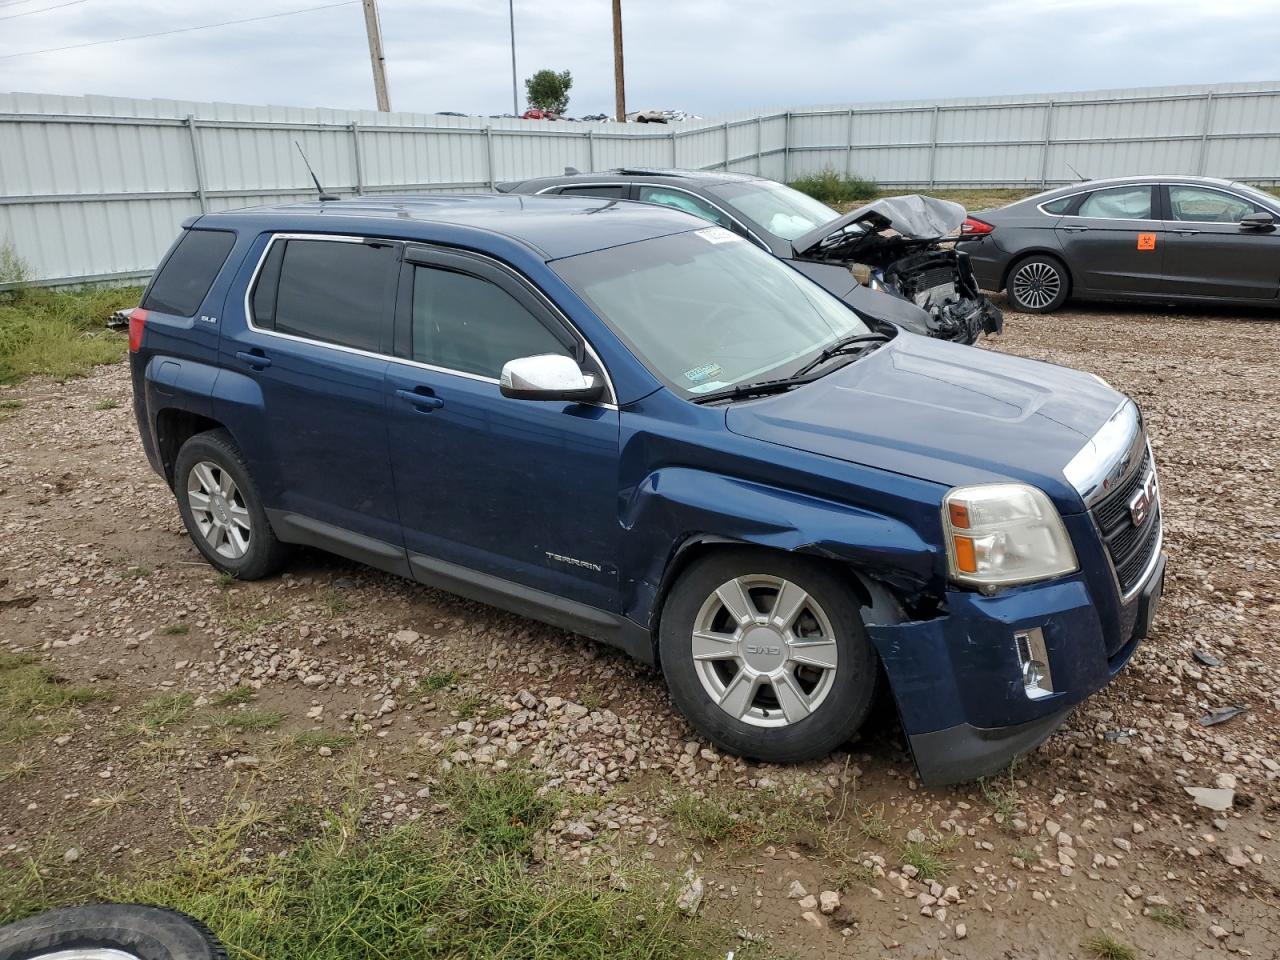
{"x": 968, "y": 701}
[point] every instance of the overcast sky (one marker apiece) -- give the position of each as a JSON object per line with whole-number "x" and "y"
{"x": 704, "y": 56}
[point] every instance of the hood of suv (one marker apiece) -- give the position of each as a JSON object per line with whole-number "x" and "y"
{"x": 941, "y": 412}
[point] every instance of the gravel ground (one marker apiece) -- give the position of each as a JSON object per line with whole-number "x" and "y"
{"x": 358, "y": 678}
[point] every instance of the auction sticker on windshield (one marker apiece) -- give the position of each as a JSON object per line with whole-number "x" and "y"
{"x": 716, "y": 235}
{"x": 703, "y": 372}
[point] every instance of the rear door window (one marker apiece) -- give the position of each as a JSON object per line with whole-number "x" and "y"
{"x": 605, "y": 191}
{"x": 188, "y": 272}
{"x": 1118, "y": 203}
{"x": 334, "y": 291}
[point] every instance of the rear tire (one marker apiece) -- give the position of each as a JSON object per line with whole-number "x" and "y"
{"x": 222, "y": 510}
{"x": 132, "y": 930}
{"x": 790, "y": 677}
{"x": 1038, "y": 283}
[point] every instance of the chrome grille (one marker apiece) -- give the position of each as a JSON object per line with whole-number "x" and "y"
{"x": 1130, "y": 547}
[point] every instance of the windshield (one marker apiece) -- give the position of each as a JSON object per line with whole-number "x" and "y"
{"x": 706, "y": 310}
{"x": 1268, "y": 200}
{"x": 784, "y": 212}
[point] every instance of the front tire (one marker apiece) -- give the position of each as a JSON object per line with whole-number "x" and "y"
{"x": 766, "y": 655}
{"x": 130, "y": 931}
{"x": 1038, "y": 283}
{"x": 222, "y": 510}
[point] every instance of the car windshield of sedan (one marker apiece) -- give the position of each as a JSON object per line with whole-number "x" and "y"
{"x": 784, "y": 212}
{"x": 706, "y": 310}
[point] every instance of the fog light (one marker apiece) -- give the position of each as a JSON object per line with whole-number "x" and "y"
{"x": 1033, "y": 658}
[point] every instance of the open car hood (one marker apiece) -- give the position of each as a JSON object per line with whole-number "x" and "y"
{"x": 913, "y": 217}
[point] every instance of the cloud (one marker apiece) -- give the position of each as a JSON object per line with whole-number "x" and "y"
{"x": 708, "y": 57}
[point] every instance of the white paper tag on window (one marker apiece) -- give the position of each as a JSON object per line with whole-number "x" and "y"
{"x": 716, "y": 235}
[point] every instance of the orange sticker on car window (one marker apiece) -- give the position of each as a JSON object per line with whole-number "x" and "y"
{"x": 1146, "y": 241}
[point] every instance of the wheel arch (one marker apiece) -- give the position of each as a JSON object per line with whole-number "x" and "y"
{"x": 1044, "y": 251}
{"x": 880, "y": 603}
{"x": 175, "y": 426}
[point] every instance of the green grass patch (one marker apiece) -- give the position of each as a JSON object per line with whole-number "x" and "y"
{"x": 832, "y": 187}
{"x": 434, "y": 682}
{"x": 175, "y": 629}
{"x": 464, "y": 889}
{"x": 315, "y": 739}
{"x": 233, "y": 697}
{"x": 248, "y": 721}
{"x": 702, "y": 818}
{"x": 1169, "y": 917}
{"x": 1002, "y": 794}
{"x": 35, "y": 700}
{"x": 1106, "y": 947}
{"x": 60, "y": 333}
{"x": 500, "y": 813}
{"x": 926, "y": 859}
{"x": 167, "y": 709}
{"x": 106, "y": 404}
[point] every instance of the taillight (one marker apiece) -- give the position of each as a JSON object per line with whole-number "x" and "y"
{"x": 973, "y": 227}
{"x": 137, "y": 320}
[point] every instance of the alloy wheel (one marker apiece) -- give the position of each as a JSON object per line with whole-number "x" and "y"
{"x": 1036, "y": 284}
{"x": 764, "y": 650}
{"x": 219, "y": 510}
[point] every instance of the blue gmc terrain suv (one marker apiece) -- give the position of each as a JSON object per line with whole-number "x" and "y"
{"x": 616, "y": 419}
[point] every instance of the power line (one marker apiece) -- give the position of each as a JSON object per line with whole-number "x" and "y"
{"x": 15, "y": 3}
{"x": 166, "y": 33}
{"x": 27, "y": 13}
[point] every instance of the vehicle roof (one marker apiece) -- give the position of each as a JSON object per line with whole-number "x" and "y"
{"x": 628, "y": 174}
{"x": 553, "y": 226}
{"x": 1082, "y": 185}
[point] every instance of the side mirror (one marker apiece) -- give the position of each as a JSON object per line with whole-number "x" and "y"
{"x": 549, "y": 376}
{"x": 1258, "y": 221}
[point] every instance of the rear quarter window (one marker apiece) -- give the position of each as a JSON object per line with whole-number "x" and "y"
{"x": 188, "y": 272}
{"x": 1061, "y": 205}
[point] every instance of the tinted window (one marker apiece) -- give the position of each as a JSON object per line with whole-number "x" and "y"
{"x": 683, "y": 201}
{"x": 189, "y": 272}
{"x": 1118, "y": 203}
{"x": 1061, "y": 205}
{"x": 784, "y": 212}
{"x": 464, "y": 323}
{"x": 605, "y": 191}
{"x": 328, "y": 290}
{"x": 1198, "y": 204}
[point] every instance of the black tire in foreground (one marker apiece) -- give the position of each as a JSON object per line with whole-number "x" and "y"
{"x": 766, "y": 654}
{"x": 1038, "y": 283}
{"x": 222, "y": 510}
{"x": 135, "y": 931}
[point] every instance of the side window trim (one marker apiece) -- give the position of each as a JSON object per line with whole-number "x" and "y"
{"x": 257, "y": 272}
{"x": 506, "y": 278}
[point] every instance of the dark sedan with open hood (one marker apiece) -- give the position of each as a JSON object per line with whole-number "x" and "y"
{"x": 900, "y": 248}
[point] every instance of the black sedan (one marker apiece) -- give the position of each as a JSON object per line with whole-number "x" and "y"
{"x": 1194, "y": 239}
{"x": 903, "y": 248}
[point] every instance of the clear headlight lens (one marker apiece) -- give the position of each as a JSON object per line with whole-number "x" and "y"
{"x": 1000, "y": 534}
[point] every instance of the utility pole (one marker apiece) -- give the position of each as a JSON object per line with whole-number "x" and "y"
{"x": 619, "y": 84}
{"x": 373, "y": 27}
{"x": 515, "y": 97}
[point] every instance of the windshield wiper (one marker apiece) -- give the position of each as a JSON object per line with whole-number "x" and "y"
{"x": 841, "y": 346}
{"x": 852, "y": 344}
{"x": 759, "y": 389}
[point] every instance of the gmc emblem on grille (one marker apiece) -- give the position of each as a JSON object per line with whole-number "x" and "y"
{"x": 1141, "y": 503}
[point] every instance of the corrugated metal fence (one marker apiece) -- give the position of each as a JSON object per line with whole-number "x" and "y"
{"x": 93, "y": 188}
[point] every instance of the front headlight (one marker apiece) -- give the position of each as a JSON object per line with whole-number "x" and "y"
{"x": 1000, "y": 534}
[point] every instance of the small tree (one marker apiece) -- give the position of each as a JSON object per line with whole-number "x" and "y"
{"x": 548, "y": 90}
